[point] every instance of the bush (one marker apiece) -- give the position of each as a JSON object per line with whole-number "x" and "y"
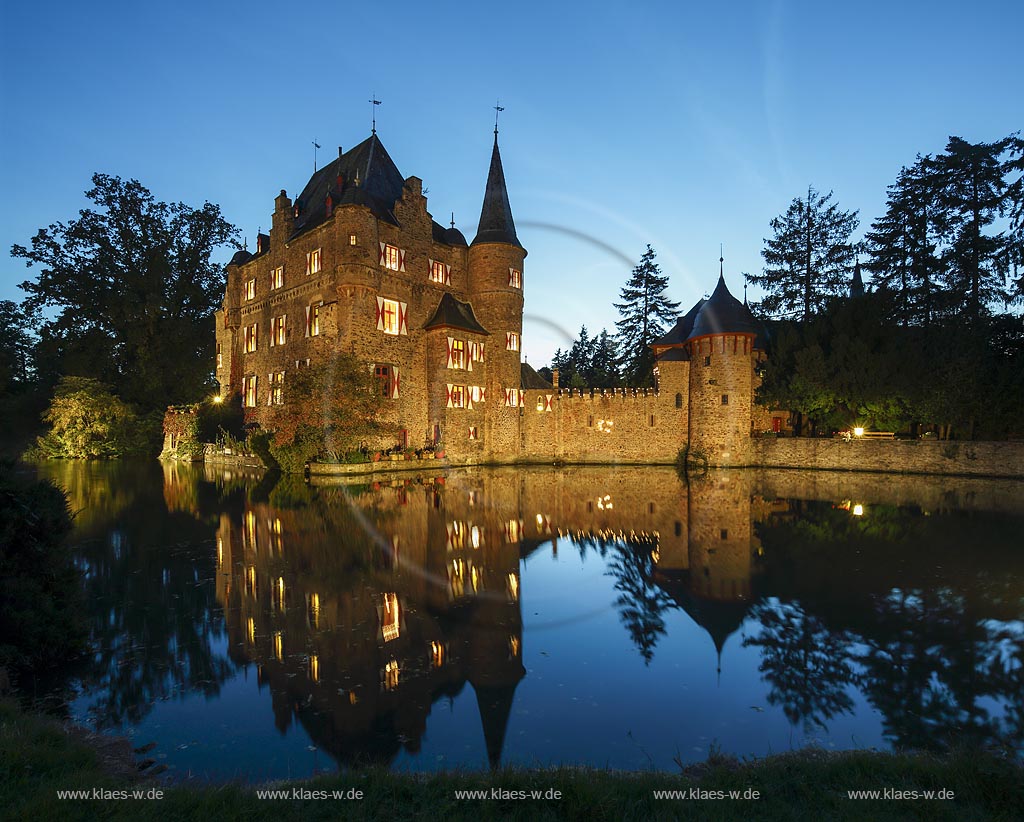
{"x": 40, "y": 621}
{"x": 87, "y": 421}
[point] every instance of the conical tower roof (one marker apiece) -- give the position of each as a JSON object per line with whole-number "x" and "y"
{"x": 722, "y": 313}
{"x": 496, "y": 224}
{"x": 857, "y": 284}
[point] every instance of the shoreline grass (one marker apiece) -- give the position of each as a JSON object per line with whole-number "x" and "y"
{"x": 39, "y": 757}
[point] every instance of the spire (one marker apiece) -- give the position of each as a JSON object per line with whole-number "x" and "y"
{"x": 857, "y": 285}
{"x": 496, "y": 224}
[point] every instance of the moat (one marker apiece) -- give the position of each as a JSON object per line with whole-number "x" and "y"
{"x": 255, "y": 627}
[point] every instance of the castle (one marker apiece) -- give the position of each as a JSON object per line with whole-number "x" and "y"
{"x": 356, "y": 263}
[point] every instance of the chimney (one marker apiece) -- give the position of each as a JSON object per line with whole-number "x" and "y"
{"x": 554, "y": 377}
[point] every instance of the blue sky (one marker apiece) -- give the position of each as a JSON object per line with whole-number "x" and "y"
{"x": 677, "y": 124}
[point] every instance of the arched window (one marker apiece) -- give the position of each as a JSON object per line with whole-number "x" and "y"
{"x": 679, "y": 400}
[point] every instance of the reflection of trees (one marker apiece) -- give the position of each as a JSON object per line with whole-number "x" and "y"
{"x": 805, "y": 663}
{"x": 932, "y": 640}
{"x": 149, "y": 585}
{"x": 641, "y": 603}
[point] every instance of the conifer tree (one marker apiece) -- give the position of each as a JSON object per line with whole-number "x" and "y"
{"x": 645, "y": 312}
{"x": 809, "y": 259}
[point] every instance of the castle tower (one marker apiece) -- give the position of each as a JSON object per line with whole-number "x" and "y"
{"x": 721, "y": 345}
{"x": 496, "y": 293}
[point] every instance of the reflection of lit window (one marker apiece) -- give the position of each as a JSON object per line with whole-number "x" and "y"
{"x": 279, "y": 646}
{"x": 220, "y": 550}
{"x": 314, "y": 667}
{"x": 389, "y": 680}
{"x": 513, "y": 586}
{"x": 250, "y": 580}
{"x": 456, "y": 577}
{"x": 278, "y": 596}
{"x": 352, "y": 698}
{"x": 513, "y": 647}
{"x": 514, "y": 530}
{"x": 250, "y": 630}
{"x": 276, "y": 530}
{"x": 313, "y": 611}
{"x": 456, "y": 535}
{"x": 390, "y": 617}
{"x": 655, "y": 556}
{"x": 476, "y": 536}
{"x": 438, "y": 654}
{"x": 476, "y": 578}
{"x": 250, "y": 528}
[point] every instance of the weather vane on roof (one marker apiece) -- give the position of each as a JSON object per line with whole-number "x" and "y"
{"x": 374, "y": 102}
{"x": 498, "y": 108}
{"x": 316, "y": 145}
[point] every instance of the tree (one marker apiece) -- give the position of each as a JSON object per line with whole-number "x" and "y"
{"x": 809, "y": 258}
{"x": 134, "y": 290}
{"x": 972, "y": 196}
{"x": 16, "y": 346}
{"x": 605, "y": 361}
{"x": 326, "y": 409}
{"x": 1013, "y": 257}
{"x": 645, "y": 312}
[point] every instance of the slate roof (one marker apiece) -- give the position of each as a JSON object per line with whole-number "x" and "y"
{"x": 680, "y": 332}
{"x": 857, "y": 285}
{"x": 674, "y": 354}
{"x": 496, "y": 224}
{"x": 453, "y": 313}
{"x": 449, "y": 236}
{"x": 380, "y": 185}
{"x": 722, "y": 313}
{"x": 529, "y": 378}
{"x": 240, "y": 257}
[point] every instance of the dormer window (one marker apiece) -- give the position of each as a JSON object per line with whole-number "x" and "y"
{"x": 313, "y": 259}
{"x": 515, "y": 278}
{"x": 250, "y": 289}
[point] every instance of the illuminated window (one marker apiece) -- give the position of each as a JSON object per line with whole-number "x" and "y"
{"x": 277, "y": 389}
{"x": 314, "y": 667}
{"x": 392, "y": 257}
{"x": 313, "y": 319}
{"x": 456, "y": 396}
{"x": 382, "y": 374}
{"x": 220, "y": 550}
{"x": 277, "y": 277}
{"x": 476, "y": 352}
{"x": 472, "y": 432}
{"x": 278, "y": 333}
{"x": 391, "y": 316}
{"x": 313, "y": 611}
{"x": 390, "y": 615}
{"x": 220, "y": 357}
{"x": 515, "y": 278}
{"x": 250, "y": 289}
{"x": 389, "y": 676}
{"x": 440, "y": 273}
{"x": 511, "y": 341}
{"x": 251, "y": 338}
{"x": 352, "y": 240}
{"x": 249, "y": 390}
{"x": 458, "y": 354}
{"x": 313, "y": 262}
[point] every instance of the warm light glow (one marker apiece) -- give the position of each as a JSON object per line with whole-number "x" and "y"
{"x": 437, "y": 654}
{"x": 250, "y": 580}
{"x": 475, "y": 536}
{"x": 456, "y": 577}
{"x": 352, "y": 698}
{"x": 390, "y": 679}
{"x": 279, "y": 593}
{"x": 218, "y": 399}
{"x": 220, "y": 550}
{"x": 279, "y": 646}
{"x": 390, "y": 617}
{"x": 655, "y": 556}
{"x": 476, "y": 578}
{"x": 250, "y": 529}
{"x": 858, "y": 510}
{"x": 513, "y": 586}
{"x": 513, "y": 646}
{"x": 250, "y": 630}
{"x": 605, "y": 503}
{"x": 314, "y": 611}
{"x": 858, "y": 432}
{"x": 314, "y": 667}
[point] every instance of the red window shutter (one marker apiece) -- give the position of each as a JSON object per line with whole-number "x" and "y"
{"x": 481, "y": 352}
{"x": 395, "y": 380}
{"x": 403, "y": 312}
{"x": 380, "y": 313}
{"x": 451, "y": 353}
{"x": 450, "y": 401}
{"x": 483, "y": 394}
{"x": 308, "y": 309}
{"x": 447, "y": 275}
{"x": 401, "y": 260}
{"x": 383, "y": 254}
{"x": 547, "y": 402}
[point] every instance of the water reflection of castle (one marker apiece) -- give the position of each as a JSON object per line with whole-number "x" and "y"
{"x": 360, "y": 617}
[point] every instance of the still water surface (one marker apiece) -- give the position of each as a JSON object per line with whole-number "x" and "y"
{"x": 619, "y": 617}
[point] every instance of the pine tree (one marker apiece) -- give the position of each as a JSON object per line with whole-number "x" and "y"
{"x": 809, "y": 259}
{"x": 645, "y": 313}
{"x": 1013, "y": 256}
{"x": 605, "y": 362}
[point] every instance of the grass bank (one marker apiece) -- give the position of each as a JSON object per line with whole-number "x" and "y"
{"x": 39, "y": 757}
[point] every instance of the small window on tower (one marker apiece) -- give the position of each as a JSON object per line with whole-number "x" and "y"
{"x": 725, "y": 533}
{"x": 707, "y": 360}
{"x": 511, "y": 341}
{"x": 472, "y": 432}
{"x": 352, "y": 239}
{"x": 515, "y": 278}
{"x": 725, "y": 399}
{"x": 250, "y": 289}
{"x": 220, "y": 357}
{"x": 679, "y": 400}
